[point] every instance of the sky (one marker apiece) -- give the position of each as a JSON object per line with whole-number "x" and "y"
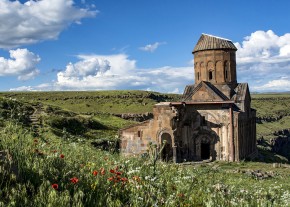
{"x": 50, "y": 45}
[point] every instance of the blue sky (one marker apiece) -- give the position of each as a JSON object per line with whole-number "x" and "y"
{"x": 129, "y": 44}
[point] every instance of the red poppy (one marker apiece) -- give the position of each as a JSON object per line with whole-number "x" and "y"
{"x": 61, "y": 156}
{"x": 119, "y": 173}
{"x": 111, "y": 178}
{"x": 112, "y": 171}
{"x": 95, "y": 172}
{"x": 102, "y": 171}
{"x": 54, "y": 186}
{"x": 74, "y": 180}
{"x": 180, "y": 195}
{"x": 124, "y": 180}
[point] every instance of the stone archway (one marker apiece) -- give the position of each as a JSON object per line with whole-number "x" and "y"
{"x": 167, "y": 152}
{"x": 205, "y": 147}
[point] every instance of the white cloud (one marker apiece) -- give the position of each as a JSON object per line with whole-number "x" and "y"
{"x": 262, "y": 59}
{"x": 23, "y": 88}
{"x": 151, "y": 47}
{"x": 266, "y": 47}
{"x": 99, "y": 72}
{"x": 34, "y": 21}
{"x": 22, "y": 63}
{"x": 275, "y": 85}
{"x": 119, "y": 72}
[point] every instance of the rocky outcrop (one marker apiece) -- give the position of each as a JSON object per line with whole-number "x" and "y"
{"x": 260, "y": 120}
{"x": 279, "y": 143}
{"x": 135, "y": 117}
{"x": 259, "y": 174}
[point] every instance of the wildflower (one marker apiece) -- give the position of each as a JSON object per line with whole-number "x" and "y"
{"x": 61, "y": 156}
{"x": 74, "y": 180}
{"x": 111, "y": 178}
{"x": 112, "y": 171}
{"x": 35, "y": 140}
{"x": 124, "y": 179}
{"x": 54, "y": 151}
{"x": 102, "y": 171}
{"x": 136, "y": 178}
{"x": 93, "y": 186}
{"x": 54, "y": 186}
{"x": 118, "y": 173}
{"x": 38, "y": 152}
{"x": 95, "y": 172}
{"x": 180, "y": 195}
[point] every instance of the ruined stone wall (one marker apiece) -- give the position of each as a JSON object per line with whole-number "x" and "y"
{"x": 203, "y": 123}
{"x": 245, "y": 134}
{"x": 230, "y": 135}
{"x": 135, "y": 139}
{"x": 218, "y": 122}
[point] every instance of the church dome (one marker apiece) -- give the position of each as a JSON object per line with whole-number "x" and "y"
{"x": 210, "y": 42}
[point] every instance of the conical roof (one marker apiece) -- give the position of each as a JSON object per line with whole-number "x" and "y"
{"x": 210, "y": 42}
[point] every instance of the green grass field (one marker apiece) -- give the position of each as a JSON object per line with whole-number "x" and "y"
{"x": 96, "y": 101}
{"x": 100, "y": 103}
{"x": 56, "y": 167}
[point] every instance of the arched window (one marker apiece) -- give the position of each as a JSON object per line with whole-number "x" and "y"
{"x": 210, "y": 75}
{"x": 226, "y": 69}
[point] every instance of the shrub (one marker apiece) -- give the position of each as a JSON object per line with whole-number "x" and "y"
{"x": 75, "y": 125}
{"x": 71, "y": 124}
{"x": 11, "y": 109}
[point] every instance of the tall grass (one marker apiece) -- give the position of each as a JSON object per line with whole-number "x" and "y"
{"x": 50, "y": 171}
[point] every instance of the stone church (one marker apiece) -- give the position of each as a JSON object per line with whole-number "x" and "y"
{"x": 213, "y": 121}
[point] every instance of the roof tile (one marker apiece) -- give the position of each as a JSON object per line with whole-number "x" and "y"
{"x": 209, "y": 42}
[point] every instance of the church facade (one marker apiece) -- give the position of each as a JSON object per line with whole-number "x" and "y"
{"x": 213, "y": 121}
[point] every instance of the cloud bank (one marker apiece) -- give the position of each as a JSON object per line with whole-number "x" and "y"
{"x": 22, "y": 63}
{"x": 119, "y": 72}
{"x": 263, "y": 60}
{"x": 99, "y": 72}
{"x": 34, "y": 21}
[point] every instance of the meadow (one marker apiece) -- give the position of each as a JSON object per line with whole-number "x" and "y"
{"x": 51, "y": 166}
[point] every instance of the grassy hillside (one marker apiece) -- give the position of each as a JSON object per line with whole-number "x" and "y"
{"x": 271, "y": 105}
{"x": 96, "y": 101}
{"x": 268, "y": 106}
{"x": 273, "y": 110}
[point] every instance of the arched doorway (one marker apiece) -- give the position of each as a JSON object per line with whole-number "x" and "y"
{"x": 205, "y": 151}
{"x": 167, "y": 152}
{"x": 205, "y": 147}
